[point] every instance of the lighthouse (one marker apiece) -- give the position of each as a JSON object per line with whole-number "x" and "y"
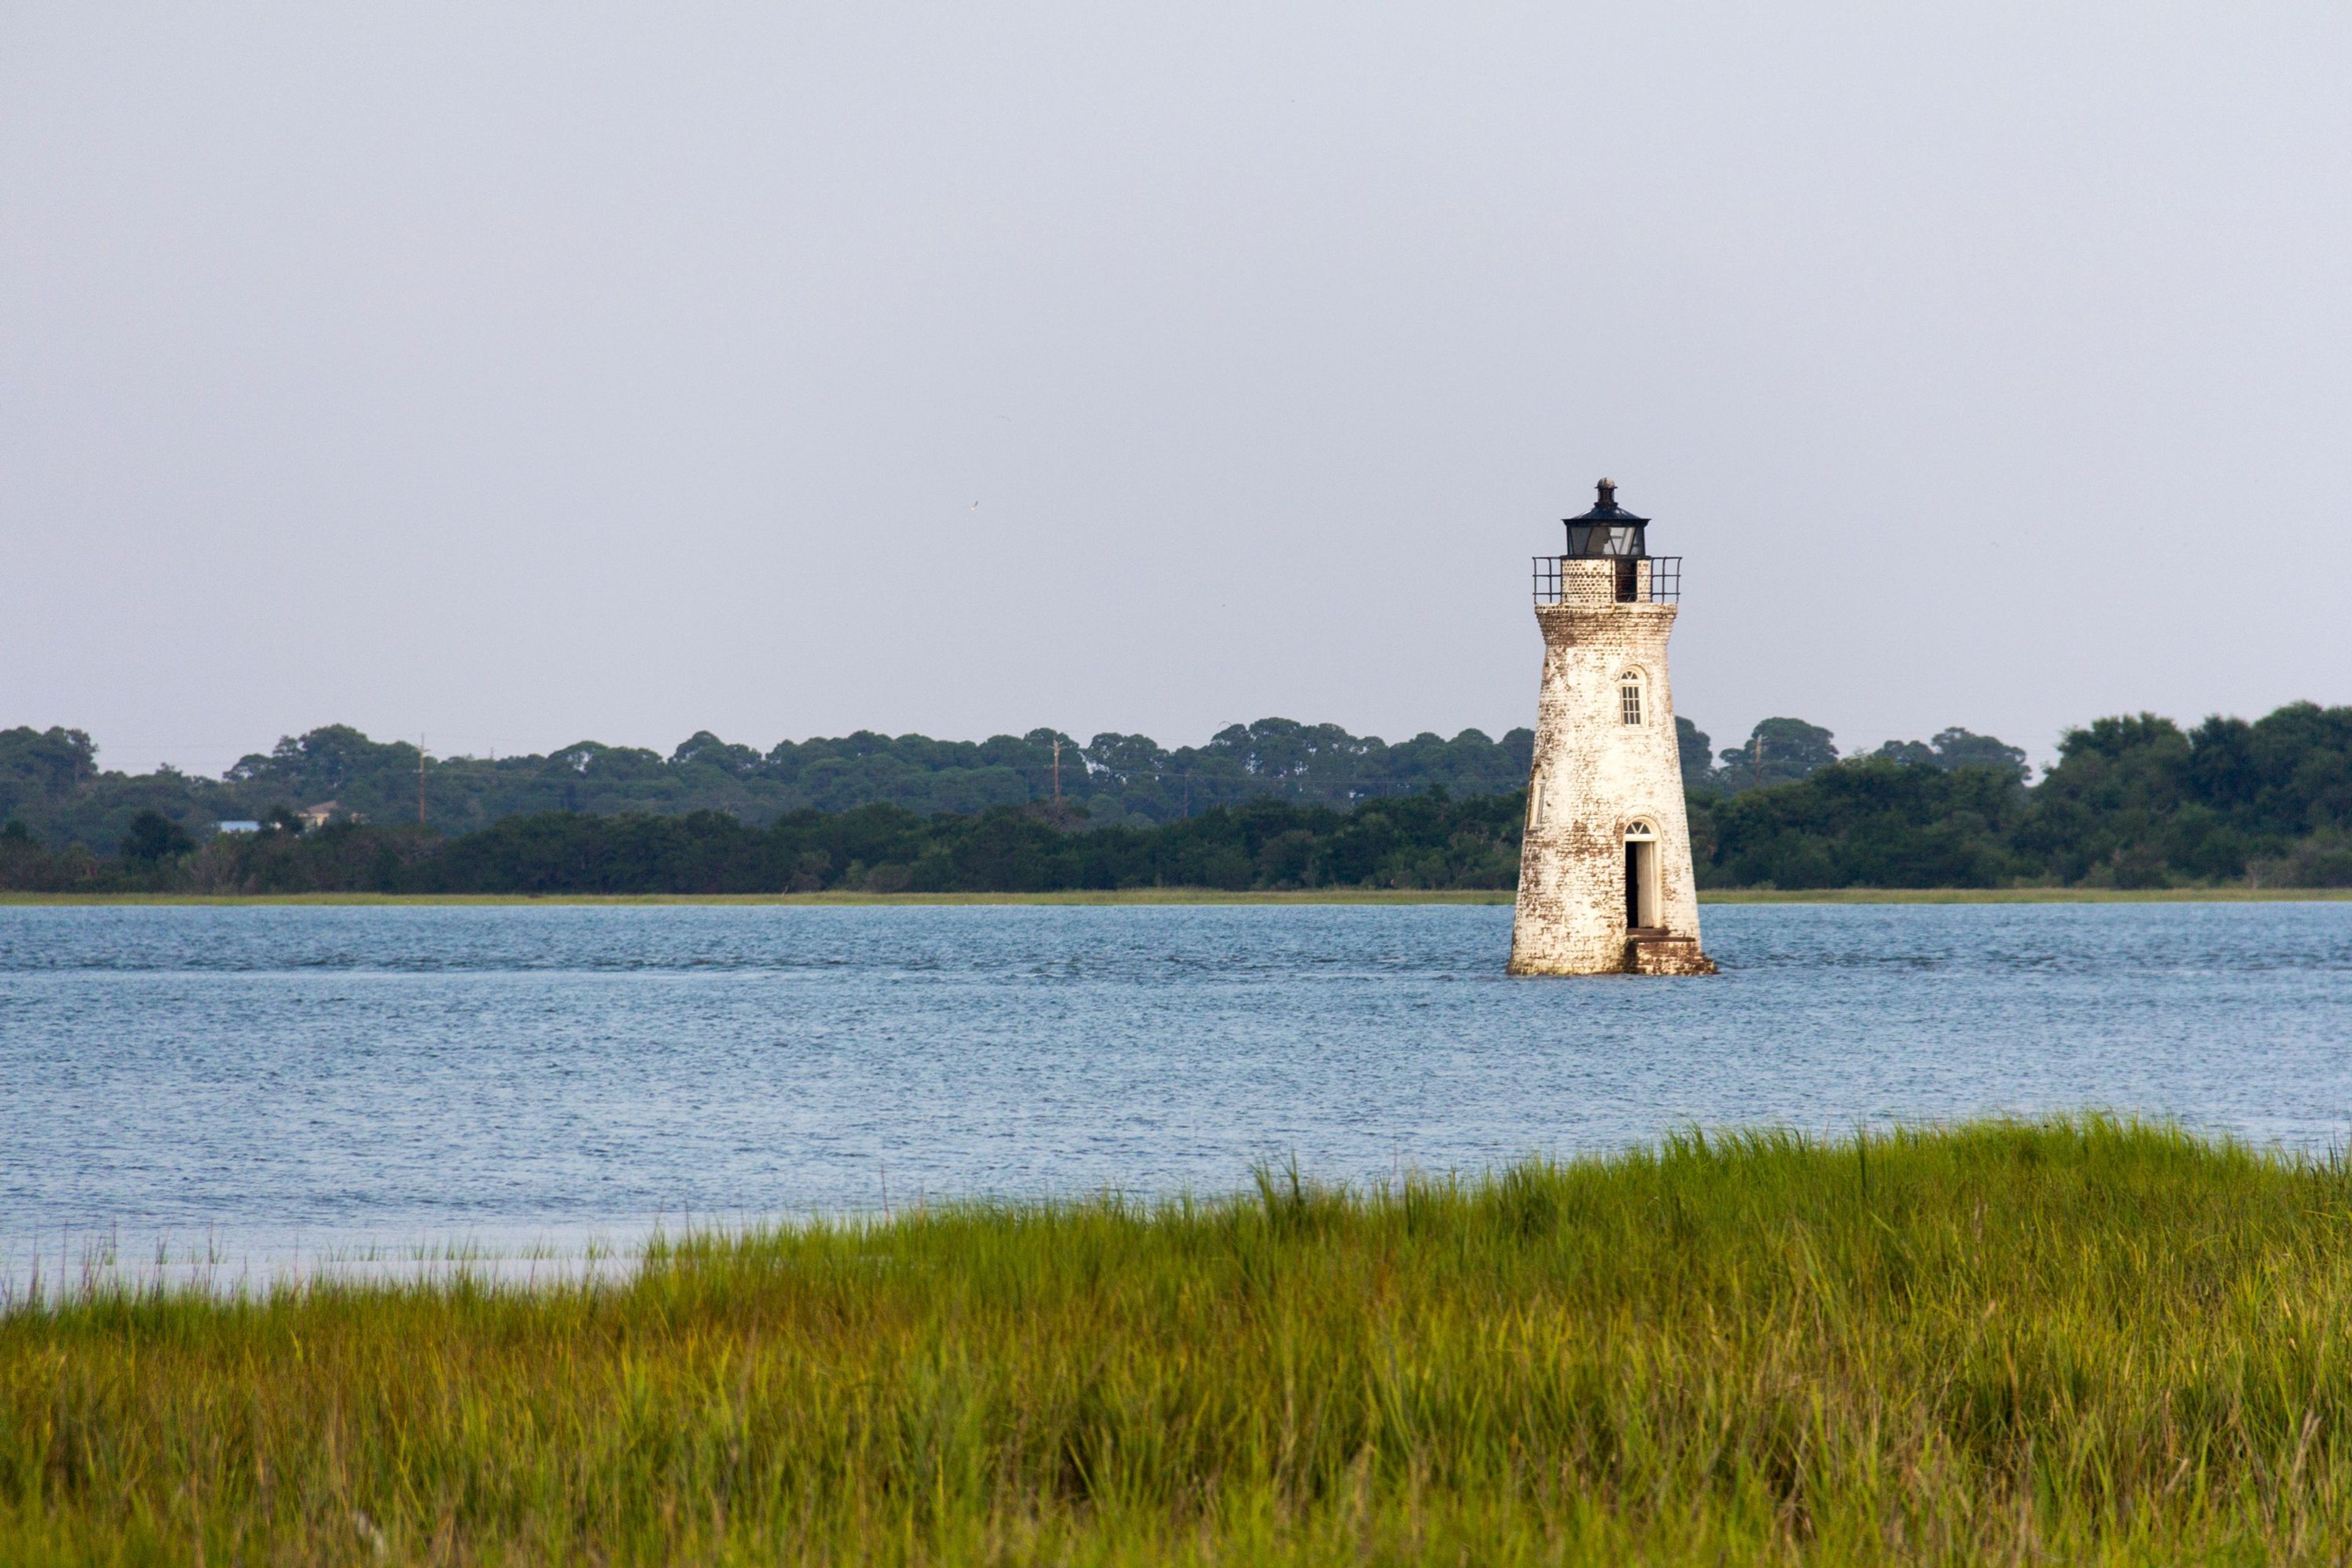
{"x": 1605, "y": 882}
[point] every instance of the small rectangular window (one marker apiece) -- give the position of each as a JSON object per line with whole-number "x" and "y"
{"x": 1630, "y": 700}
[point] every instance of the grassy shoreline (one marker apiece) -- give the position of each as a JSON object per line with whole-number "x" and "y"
{"x": 1200, "y": 896}
{"x": 2070, "y": 1341}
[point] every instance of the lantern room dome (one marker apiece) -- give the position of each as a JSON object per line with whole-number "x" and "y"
{"x": 1605, "y": 509}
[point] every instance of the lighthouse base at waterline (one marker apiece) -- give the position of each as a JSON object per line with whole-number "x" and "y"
{"x": 1556, "y": 935}
{"x": 1641, "y": 953}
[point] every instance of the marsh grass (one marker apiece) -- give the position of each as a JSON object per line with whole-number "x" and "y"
{"x": 2078, "y": 1341}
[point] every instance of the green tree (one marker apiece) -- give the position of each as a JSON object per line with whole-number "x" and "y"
{"x": 1869, "y": 822}
{"x": 153, "y": 838}
{"x": 1779, "y": 751}
{"x": 42, "y": 770}
{"x": 1956, "y": 748}
{"x": 1697, "y": 757}
{"x": 711, "y": 751}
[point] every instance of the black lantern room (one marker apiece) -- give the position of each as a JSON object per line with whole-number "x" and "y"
{"x": 1608, "y": 530}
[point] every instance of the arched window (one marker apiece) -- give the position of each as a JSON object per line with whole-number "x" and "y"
{"x": 1629, "y": 697}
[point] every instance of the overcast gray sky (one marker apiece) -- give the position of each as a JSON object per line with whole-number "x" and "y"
{"x": 519, "y": 374}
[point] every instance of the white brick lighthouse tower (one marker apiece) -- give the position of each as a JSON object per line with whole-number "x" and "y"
{"x": 1605, "y": 883}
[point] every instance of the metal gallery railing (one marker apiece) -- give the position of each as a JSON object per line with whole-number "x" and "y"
{"x": 1629, "y": 584}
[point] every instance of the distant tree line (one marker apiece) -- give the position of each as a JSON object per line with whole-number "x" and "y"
{"x": 50, "y": 779}
{"x": 1427, "y": 840}
{"x": 1785, "y": 751}
{"x": 2132, "y": 802}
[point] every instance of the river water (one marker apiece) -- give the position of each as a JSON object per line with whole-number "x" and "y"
{"x": 278, "y": 1083}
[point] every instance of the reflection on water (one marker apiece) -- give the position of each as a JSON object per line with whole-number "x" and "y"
{"x": 284, "y": 1084}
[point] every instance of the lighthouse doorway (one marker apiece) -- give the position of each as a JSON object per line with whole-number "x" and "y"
{"x": 1640, "y": 877}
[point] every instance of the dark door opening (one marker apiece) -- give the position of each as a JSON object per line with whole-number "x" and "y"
{"x": 1639, "y": 910}
{"x": 1629, "y": 580}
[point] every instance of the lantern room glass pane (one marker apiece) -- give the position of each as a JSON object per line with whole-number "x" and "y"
{"x": 1603, "y": 539}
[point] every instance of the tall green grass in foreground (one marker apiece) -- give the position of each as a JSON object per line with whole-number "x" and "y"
{"x": 2084, "y": 1341}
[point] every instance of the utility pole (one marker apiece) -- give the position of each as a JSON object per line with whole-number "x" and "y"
{"x": 420, "y": 781}
{"x": 1058, "y": 775}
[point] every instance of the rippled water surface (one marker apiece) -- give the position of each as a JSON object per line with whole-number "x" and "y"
{"x": 342, "y": 1074}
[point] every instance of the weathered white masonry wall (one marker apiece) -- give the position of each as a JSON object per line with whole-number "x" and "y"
{"x": 1596, "y": 776}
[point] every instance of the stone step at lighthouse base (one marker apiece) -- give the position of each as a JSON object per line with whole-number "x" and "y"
{"x": 1658, "y": 953}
